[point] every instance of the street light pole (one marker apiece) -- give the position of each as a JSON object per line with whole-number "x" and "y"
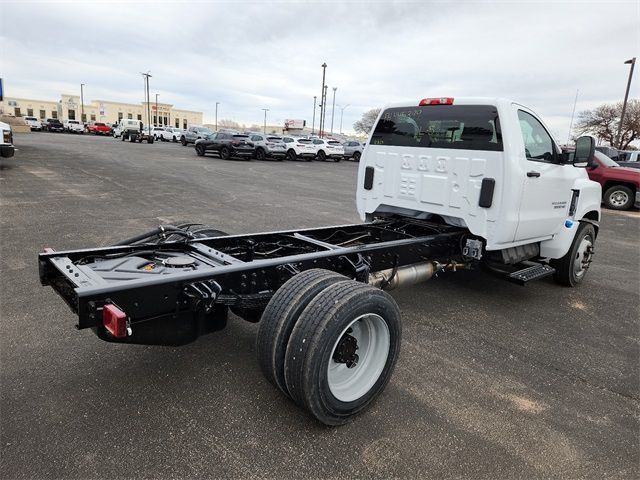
{"x": 155, "y": 124}
{"x": 322, "y": 92}
{"x": 333, "y": 108}
{"x": 341, "y": 114}
{"x": 265, "y": 120}
{"x": 148, "y": 100}
{"x": 624, "y": 105}
{"x": 313, "y": 122}
{"x": 324, "y": 117}
{"x": 82, "y": 102}
{"x": 217, "y": 103}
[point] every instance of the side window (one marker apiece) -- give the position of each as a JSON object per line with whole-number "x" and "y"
{"x": 287, "y": 140}
{"x": 317, "y": 142}
{"x": 538, "y": 145}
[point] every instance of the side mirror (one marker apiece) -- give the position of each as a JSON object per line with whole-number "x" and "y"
{"x": 585, "y": 148}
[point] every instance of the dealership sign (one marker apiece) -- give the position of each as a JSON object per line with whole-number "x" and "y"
{"x": 294, "y": 124}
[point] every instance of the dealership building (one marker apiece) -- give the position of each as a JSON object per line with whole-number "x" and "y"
{"x": 69, "y": 108}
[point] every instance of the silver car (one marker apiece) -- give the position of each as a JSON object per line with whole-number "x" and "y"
{"x": 353, "y": 150}
{"x": 269, "y": 147}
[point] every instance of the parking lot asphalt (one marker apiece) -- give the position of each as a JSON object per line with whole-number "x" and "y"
{"x": 494, "y": 380}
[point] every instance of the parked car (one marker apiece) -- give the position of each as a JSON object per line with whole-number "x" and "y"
{"x": 629, "y": 158}
{"x": 620, "y": 185}
{"x": 53, "y": 125}
{"x": 268, "y": 147}
{"x": 328, "y": 149}
{"x": 171, "y": 134}
{"x": 299, "y": 148}
{"x": 157, "y": 132}
{"x": 352, "y": 149}
{"x": 134, "y": 131}
{"x": 33, "y": 123}
{"x": 73, "y": 126}
{"x": 99, "y": 128}
{"x": 7, "y": 149}
{"x": 194, "y": 133}
{"x": 226, "y": 145}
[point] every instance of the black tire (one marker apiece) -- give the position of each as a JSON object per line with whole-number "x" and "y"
{"x": 336, "y": 159}
{"x": 356, "y": 156}
{"x": 322, "y": 156}
{"x": 291, "y": 155}
{"x": 175, "y": 140}
{"x": 260, "y": 154}
{"x": 183, "y": 140}
{"x": 280, "y": 316}
{"x": 567, "y": 272}
{"x": 123, "y": 138}
{"x": 132, "y": 138}
{"x": 325, "y": 324}
{"x": 225, "y": 153}
{"x": 200, "y": 150}
{"x": 149, "y": 140}
{"x": 619, "y": 197}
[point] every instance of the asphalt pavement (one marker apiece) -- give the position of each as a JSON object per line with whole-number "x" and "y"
{"x": 494, "y": 380}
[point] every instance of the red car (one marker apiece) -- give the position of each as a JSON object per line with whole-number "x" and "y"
{"x": 98, "y": 128}
{"x": 620, "y": 185}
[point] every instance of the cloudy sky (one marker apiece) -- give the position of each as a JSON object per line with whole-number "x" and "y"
{"x": 254, "y": 55}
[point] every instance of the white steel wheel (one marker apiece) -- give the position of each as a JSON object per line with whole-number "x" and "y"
{"x": 358, "y": 357}
{"x": 583, "y": 256}
{"x": 342, "y": 350}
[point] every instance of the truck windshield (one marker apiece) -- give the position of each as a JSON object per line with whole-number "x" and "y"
{"x": 606, "y": 161}
{"x": 462, "y": 127}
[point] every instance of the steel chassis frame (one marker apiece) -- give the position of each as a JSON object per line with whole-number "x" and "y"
{"x": 233, "y": 276}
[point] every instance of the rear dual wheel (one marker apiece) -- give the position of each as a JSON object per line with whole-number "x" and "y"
{"x": 340, "y": 343}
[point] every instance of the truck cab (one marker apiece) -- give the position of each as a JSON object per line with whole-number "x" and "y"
{"x": 487, "y": 164}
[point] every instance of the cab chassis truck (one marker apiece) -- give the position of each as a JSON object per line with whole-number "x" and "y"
{"x": 443, "y": 186}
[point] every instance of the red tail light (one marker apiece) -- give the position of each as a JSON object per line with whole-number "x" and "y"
{"x": 436, "y": 101}
{"x": 114, "y": 320}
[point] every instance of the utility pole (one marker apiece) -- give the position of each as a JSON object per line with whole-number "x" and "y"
{"x": 322, "y": 109}
{"x": 157, "y": 117}
{"x": 333, "y": 108}
{"x": 572, "y": 114}
{"x": 324, "y": 116}
{"x": 148, "y": 100}
{"x": 313, "y": 122}
{"x": 265, "y": 120}
{"x": 82, "y": 102}
{"x": 217, "y": 103}
{"x": 624, "y": 105}
{"x": 341, "y": 114}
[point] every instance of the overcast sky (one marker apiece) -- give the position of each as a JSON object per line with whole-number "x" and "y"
{"x": 254, "y": 55}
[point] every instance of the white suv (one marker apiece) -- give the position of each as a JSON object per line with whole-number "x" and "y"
{"x": 158, "y": 133}
{"x": 299, "y": 148}
{"x": 33, "y": 123}
{"x": 328, "y": 149}
{"x": 73, "y": 126}
{"x": 269, "y": 147}
{"x": 171, "y": 134}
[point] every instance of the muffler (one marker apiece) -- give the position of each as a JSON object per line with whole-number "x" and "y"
{"x": 408, "y": 275}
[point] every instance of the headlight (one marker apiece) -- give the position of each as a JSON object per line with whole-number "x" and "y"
{"x": 6, "y": 136}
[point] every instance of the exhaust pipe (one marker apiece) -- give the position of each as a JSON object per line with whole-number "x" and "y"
{"x": 409, "y": 275}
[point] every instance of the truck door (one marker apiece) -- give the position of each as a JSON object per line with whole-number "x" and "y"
{"x": 546, "y": 193}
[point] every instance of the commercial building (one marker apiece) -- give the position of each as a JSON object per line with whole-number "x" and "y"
{"x": 69, "y": 108}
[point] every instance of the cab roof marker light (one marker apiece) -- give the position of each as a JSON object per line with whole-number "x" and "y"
{"x": 436, "y": 101}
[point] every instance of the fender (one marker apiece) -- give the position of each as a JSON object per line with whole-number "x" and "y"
{"x": 587, "y": 210}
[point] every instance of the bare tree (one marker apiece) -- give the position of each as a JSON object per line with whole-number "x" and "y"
{"x": 365, "y": 124}
{"x": 603, "y": 121}
{"x": 228, "y": 124}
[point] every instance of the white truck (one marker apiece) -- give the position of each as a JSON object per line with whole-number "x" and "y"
{"x": 444, "y": 185}
{"x": 7, "y": 149}
{"x": 74, "y": 126}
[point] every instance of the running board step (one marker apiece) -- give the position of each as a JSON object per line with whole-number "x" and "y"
{"x": 536, "y": 272}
